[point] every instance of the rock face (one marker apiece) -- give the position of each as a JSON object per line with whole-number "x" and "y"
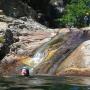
{"x": 23, "y": 32}
{"x": 78, "y": 63}
{"x": 29, "y": 42}
{"x": 22, "y": 36}
{"x": 60, "y": 59}
{"x": 28, "y": 35}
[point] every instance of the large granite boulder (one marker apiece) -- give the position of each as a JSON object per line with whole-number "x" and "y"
{"x": 78, "y": 63}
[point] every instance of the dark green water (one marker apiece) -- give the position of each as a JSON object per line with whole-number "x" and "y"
{"x": 44, "y": 83}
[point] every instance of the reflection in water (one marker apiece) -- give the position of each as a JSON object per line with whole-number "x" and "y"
{"x": 44, "y": 83}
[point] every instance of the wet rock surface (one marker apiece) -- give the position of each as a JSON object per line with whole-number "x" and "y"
{"x": 58, "y": 61}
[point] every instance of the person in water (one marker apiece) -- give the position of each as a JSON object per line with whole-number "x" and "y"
{"x": 87, "y": 19}
{"x": 25, "y": 71}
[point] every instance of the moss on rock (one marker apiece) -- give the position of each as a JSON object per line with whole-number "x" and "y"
{"x": 2, "y": 39}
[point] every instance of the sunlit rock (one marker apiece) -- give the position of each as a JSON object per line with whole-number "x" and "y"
{"x": 78, "y": 63}
{"x": 9, "y": 59}
{"x": 3, "y": 26}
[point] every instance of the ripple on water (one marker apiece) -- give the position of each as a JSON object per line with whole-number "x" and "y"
{"x": 45, "y": 83}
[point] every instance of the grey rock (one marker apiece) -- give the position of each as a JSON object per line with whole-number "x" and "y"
{"x": 8, "y": 37}
{"x": 9, "y": 59}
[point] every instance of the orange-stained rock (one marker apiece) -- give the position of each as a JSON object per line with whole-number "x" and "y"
{"x": 10, "y": 64}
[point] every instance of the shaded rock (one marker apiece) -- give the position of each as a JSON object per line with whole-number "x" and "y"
{"x": 57, "y": 6}
{"x": 4, "y": 50}
{"x": 78, "y": 63}
{"x": 8, "y": 41}
{"x": 8, "y": 37}
{"x": 1, "y": 46}
{"x": 17, "y": 8}
{"x": 40, "y": 5}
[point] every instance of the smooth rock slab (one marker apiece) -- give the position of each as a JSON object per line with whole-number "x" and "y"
{"x": 78, "y": 63}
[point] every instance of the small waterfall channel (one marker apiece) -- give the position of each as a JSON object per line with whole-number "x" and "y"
{"x": 43, "y": 51}
{"x": 40, "y": 53}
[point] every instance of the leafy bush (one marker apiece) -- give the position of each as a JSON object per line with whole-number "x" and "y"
{"x": 74, "y": 13}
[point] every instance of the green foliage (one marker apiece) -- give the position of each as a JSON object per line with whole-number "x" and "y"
{"x": 2, "y": 39}
{"x": 74, "y": 12}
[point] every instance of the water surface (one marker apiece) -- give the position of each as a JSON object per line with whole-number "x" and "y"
{"x": 44, "y": 83}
